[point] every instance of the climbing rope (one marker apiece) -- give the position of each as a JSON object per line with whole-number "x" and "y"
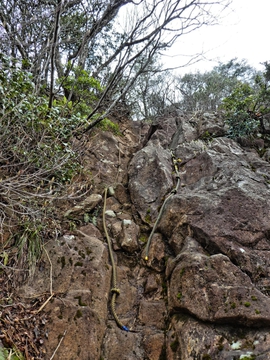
{"x": 114, "y": 290}
{"x": 173, "y": 192}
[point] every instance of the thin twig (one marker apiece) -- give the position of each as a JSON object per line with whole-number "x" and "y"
{"x": 11, "y": 268}
{"x": 46, "y": 252}
{"x": 44, "y": 304}
{"x": 119, "y": 162}
{"x": 60, "y": 341}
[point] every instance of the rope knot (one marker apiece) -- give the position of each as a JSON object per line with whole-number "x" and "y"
{"x": 115, "y": 290}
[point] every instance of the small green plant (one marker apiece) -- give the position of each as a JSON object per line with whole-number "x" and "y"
{"x": 241, "y": 124}
{"x": 147, "y": 218}
{"x": 174, "y": 345}
{"x": 10, "y": 354}
{"x": 4, "y": 256}
{"x": 206, "y": 357}
{"x": 182, "y": 271}
{"x": 108, "y": 125}
{"x": 29, "y": 242}
{"x": 206, "y": 136}
{"x": 179, "y": 296}
{"x": 248, "y": 357}
{"x": 78, "y": 315}
{"x": 143, "y": 238}
{"x": 164, "y": 288}
{"x": 93, "y": 216}
{"x": 247, "y": 304}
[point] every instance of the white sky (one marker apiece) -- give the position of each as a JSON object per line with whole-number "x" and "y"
{"x": 243, "y": 33}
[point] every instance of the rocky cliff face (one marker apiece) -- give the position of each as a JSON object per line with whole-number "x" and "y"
{"x": 204, "y": 291}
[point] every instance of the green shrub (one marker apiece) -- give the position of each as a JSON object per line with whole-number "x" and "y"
{"x": 241, "y": 124}
{"x": 11, "y": 354}
{"x": 83, "y": 90}
{"x": 246, "y": 105}
{"x": 37, "y": 158}
{"x": 108, "y": 125}
{"x": 239, "y": 118}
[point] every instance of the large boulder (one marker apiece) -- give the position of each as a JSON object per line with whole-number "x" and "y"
{"x": 216, "y": 238}
{"x": 213, "y": 289}
{"x": 150, "y": 179}
{"x": 79, "y": 276}
{"x": 188, "y": 338}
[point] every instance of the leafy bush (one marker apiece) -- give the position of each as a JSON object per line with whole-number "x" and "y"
{"x": 238, "y": 116}
{"x": 81, "y": 90}
{"x": 32, "y": 136}
{"x": 242, "y": 98}
{"x": 37, "y": 158}
{"x": 241, "y": 124}
{"x": 246, "y": 105}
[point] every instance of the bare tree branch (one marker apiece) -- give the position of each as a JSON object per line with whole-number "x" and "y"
{"x": 53, "y": 51}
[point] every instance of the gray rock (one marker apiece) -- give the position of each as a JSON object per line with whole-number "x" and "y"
{"x": 150, "y": 179}
{"x": 194, "y": 339}
{"x": 110, "y": 213}
{"x": 214, "y": 289}
{"x": 128, "y": 237}
{"x": 81, "y": 284}
{"x": 85, "y": 206}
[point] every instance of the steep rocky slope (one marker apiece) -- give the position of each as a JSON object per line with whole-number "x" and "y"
{"x": 204, "y": 291}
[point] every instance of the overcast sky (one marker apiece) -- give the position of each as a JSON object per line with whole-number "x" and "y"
{"x": 243, "y": 33}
